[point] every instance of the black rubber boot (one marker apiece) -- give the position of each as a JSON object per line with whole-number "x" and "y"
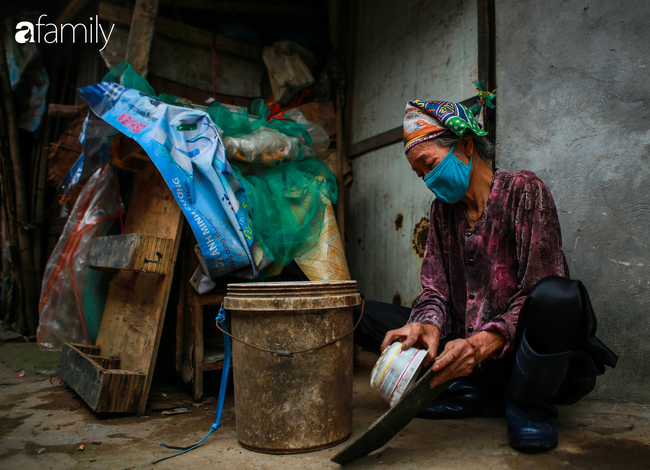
{"x": 463, "y": 399}
{"x": 535, "y": 380}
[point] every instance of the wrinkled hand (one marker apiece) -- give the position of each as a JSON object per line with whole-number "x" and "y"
{"x": 415, "y": 334}
{"x": 457, "y": 360}
{"x": 460, "y": 356}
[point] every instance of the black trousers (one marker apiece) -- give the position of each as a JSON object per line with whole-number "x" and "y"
{"x": 557, "y": 317}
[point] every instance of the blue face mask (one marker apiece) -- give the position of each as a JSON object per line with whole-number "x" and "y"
{"x": 449, "y": 180}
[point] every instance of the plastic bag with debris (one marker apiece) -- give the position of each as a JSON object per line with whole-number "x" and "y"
{"x": 266, "y": 146}
{"x": 61, "y": 308}
{"x": 320, "y": 139}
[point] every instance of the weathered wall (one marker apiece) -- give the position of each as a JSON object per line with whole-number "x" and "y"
{"x": 574, "y": 107}
{"x": 405, "y": 50}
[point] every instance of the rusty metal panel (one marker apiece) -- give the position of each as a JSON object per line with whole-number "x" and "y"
{"x": 387, "y": 202}
{"x": 405, "y": 50}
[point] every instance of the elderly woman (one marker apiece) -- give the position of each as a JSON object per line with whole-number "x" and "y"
{"x": 501, "y": 319}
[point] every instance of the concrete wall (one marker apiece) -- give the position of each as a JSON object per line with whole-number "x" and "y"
{"x": 405, "y": 50}
{"x": 574, "y": 107}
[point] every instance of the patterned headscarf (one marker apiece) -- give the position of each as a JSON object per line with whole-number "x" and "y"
{"x": 425, "y": 120}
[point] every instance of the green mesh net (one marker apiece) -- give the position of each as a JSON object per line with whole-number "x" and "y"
{"x": 125, "y": 75}
{"x": 287, "y": 205}
{"x": 233, "y": 123}
{"x": 286, "y": 126}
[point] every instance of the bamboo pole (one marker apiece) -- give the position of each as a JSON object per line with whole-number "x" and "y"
{"x": 29, "y": 280}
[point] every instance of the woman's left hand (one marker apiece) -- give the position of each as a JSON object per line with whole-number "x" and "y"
{"x": 460, "y": 356}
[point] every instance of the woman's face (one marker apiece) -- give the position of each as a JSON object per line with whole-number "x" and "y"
{"x": 426, "y": 156}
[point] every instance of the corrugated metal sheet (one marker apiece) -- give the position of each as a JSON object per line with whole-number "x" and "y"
{"x": 405, "y": 50}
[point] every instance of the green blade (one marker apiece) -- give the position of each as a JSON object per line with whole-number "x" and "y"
{"x": 393, "y": 421}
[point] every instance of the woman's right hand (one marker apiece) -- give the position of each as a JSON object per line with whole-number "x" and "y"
{"x": 416, "y": 334}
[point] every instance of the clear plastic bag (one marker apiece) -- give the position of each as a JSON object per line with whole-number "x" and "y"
{"x": 263, "y": 145}
{"x": 95, "y": 138}
{"x": 61, "y": 309}
{"x": 321, "y": 141}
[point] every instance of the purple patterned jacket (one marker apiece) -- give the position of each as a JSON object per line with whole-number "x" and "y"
{"x": 477, "y": 279}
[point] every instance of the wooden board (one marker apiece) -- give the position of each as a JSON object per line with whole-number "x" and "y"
{"x": 104, "y": 389}
{"x": 143, "y": 25}
{"x": 393, "y": 421}
{"x": 186, "y": 33}
{"x": 131, "y": 252}
{"x": 136, "y": 302}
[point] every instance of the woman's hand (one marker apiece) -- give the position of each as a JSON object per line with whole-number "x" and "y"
{"x": 415, "y": 334}
{"x": 461, "y": 356}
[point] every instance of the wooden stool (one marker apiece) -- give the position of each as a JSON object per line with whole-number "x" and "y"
{"x": 192, "y": 358}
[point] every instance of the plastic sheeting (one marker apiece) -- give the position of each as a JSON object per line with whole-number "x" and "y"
{"x": 61, "y": 309}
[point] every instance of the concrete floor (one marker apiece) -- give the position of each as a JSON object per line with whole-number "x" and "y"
{"x": 42, "y": 425}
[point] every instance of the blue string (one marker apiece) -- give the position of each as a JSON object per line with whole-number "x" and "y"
{"x": 221, "y": 319}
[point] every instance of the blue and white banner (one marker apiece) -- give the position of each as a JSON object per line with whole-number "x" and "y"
{"x": 185, "y": 146}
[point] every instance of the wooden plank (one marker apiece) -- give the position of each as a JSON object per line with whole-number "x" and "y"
{"x": 67, "y": 111}
{"x": 81, "y": 373}
{"x": 106, "y": 362}
{"x": 249, "y": 8}
{"x": 136, "y": 302}
{"x": 393, "y": 421}
{"x": 121, "y": 391}
{"x": 194, "y": 95}
{"x": 87, "y": 349}
{"x": 131, "y": 252}
{"x": 376, "y": 142}
{"x": 104, "y": 390}
{"x": 143, "y": 25}
{"x": 208, "y": 366}
{"x": 211, "y": 299}
{"x": 191, "y": 34}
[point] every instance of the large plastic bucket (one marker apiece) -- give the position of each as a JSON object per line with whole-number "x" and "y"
{"x": 295, "y": 403}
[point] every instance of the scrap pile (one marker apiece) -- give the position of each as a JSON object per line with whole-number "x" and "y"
{"x": 179, "y": 145}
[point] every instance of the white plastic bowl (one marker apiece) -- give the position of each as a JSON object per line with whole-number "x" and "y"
{"x": 396, "y": 371}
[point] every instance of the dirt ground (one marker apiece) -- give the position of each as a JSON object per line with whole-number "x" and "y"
{"x": 43, "y": 423}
